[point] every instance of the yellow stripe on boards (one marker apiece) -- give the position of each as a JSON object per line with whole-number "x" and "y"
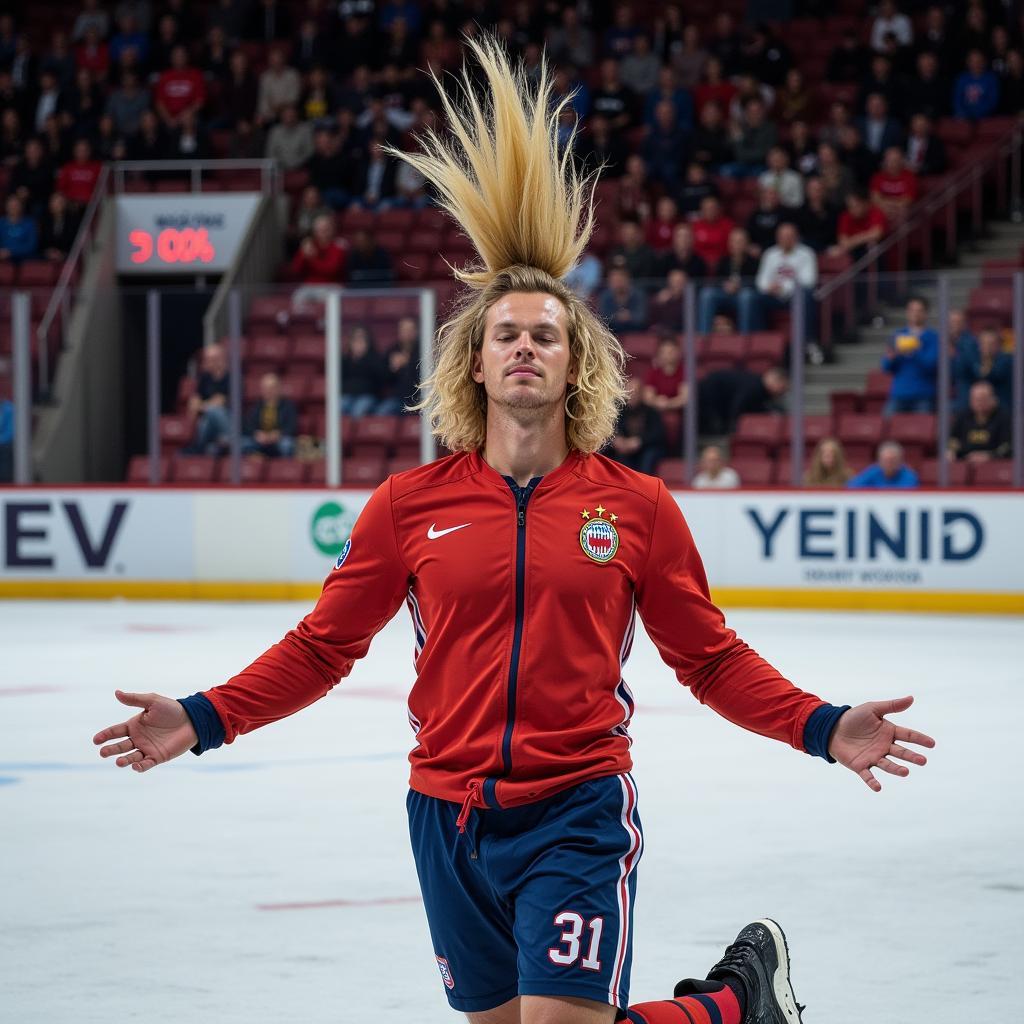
{"x": 965, "y": 602}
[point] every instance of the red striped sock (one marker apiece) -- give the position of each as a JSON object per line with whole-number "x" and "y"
{"x": 719, "y": 1007}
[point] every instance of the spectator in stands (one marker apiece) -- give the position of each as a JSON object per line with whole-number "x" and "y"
{"x": 57, "y": 230}
{"x": 622, "y": 303}
{"x": 694, "y": 188}
{"x": 81, "y": 107}
{"x": 852, "y": 152}
{"x": 667, "y": 88}
{"x": 374, "y": 181}
{"x": 1011, "y": 84}
{"x": 634, "y": 253}
{"x": 861, "y": 225}
{"x": 712, "y": 142}
{"x": 837, "y": 178}
{"x": 612, "y": 99}
{"x": 879, "y": 130}
{"x": 713, "y": 473}
{"x": 188, "y": 140}
{"x": 77, "y": 179}
{"x": 279, "y": 87}
{"x": 363, "y": 375}
{"x": 571, "y": 40}
{"x": 368, "y": 263}
{"x": 600, "y": 147}
{"x": 983, "y": 430}
{"x": 127, "y": 103}
{"x": 683, "y": 256}
{"x": 685, "y": 51}
{"x": 666, "y": 146}
{"x": 894, "y": 187}
{"x": 664, "y": 387}
{"x": 927, "y": 91}
{"x": 661, "y": 227}
{"x": 764, "y": 220}
{"x": 753, "y": 136}
{"x": 272, "y": 423}
{"x": 889, "y": 471}
{"x": 130, "y": 42}
{"x": 209, "y": 404}
{"x": 6, "y": 441}
{"x": 780, "y": 177}
{"x": 641, "y": 67}
{"x": 983, "y": 360}
{"x": 19, "y": 237}
{"x": 711, "y": 231}
{"x": 828, "y": 465}
{"x": 925, "y": 153}
{"x": 912, "y": 358}
{"x": 180, "y": 90}
{"x": 32, "y": 178}
{"x": 976, "y": 93}
{"x": 330, "y": 169}
{"x": 734, "y": 274}
{"x": 634, "y": 199}
{"x": 48, "y": 101}
{"x": 151, "y": 143}
{"x": 802, "y": 149}
{"x": 310, "y": 206}
{"x": 817, "y": 220}
{"x": 848, "y": 62}
{"x": 585, "y": 278}
{"x": 890, "y": 20}
{"x": 91, "y": 53}
{"x": 786, "y": 266}
{"x": 963, "y": 345}
{"x": 239, "y": 94}
{"x": 290, "y": 141}
{"x": 639, "y": 439}
{"x": 321, "y": 259}
{"x": 91, "y": 16}
{"x": 403, "y": 365}
{"x": 725, "y": 395}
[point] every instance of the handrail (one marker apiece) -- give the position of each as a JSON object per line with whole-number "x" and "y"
{"x": 270, "y": 175}
{"x": 63, "y": 285}
{"x": 922, "y": 211}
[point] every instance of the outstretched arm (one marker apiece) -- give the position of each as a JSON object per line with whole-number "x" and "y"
{"x": 161, "y": 732}
{"x": 864, "y": 738}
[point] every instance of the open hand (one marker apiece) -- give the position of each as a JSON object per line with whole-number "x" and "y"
{"x": 864, "y": 739}
{"x": 162, "y": 732}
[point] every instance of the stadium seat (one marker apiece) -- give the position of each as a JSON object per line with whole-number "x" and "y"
{"x": 402, "y": 463}
{"x": 407, "y": 436}
{"x": 928, "y": 473}
{"x": 269, "y": 348}
{"x": 673, "y": 472}
{"x": 641, "y": 344}
{"x": 252, "y": 470}
{"x": 768, "y": 347}
{"x": 757, "y": 435}
{"x": 366, "y": 470}
{"x": 193, "y": 469}
{"x": 913, "y": 430}
{"x": 843, "y": 403}
{"x": 38, "y": 273}
{"x": 286, "y": 472}
{"x": 726, "y": 349}
{"x": 377, "y": 433}
{"x": 990, "y": 304}
{"x": 176, "y": 431}
{"x": 308, "y": 348}
{"x": 138, "y": 469}
{"x": 860, "y": 435}
{"x": 996, "y": 473}
{"x": 754, "y": 472}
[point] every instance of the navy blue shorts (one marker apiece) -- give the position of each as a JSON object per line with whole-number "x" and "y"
{"x": 532, "y": 900}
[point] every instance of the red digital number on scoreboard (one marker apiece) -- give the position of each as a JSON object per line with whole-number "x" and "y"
{"x": 188, "y": 245}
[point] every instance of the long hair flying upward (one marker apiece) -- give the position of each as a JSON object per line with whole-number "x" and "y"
{"x": 528, "y": 212}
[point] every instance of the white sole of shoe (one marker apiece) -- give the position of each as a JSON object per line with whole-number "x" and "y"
{"x": 781, "y": 984}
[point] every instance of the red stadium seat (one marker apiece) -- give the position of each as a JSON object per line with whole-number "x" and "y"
{"x": 767, "y": 346}
{"x": 673, "y": 472}
{"x": 988, "y": 304}
{"x": 728, "y": 349}
{"x": 39, "y": 273}
{"x": 928, "y": 472}
{"x": 641, "y": 344}
{"x": 844, "y": 403}
{"x": 268, "y": 348}
{"x": 367, "y": 470}
{"x": 996, "y": 473}
{"x": 402, "y": 463}
{"x": 860, "y": 435}
{"x": 138, "y": 469}
{"x": 754, "y": 472}
{"x": 917, "y": 429}
{"x": 375, "y": 432}
{"x": 308, "y": 348}
{"x": 407, "y": 437}
{"x": 252, "y": 470}
{"x": 758, "y": 435}
{"x": 194, "y": 469}
{"x": 286, "y": 472}
{"x": 176, "y": 431}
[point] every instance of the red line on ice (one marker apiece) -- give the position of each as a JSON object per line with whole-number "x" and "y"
{"x": 380, "y": 901}
{"x": 28, "y": 691}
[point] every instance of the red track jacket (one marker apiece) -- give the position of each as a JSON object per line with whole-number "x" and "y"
{"x": 523, "y": 616}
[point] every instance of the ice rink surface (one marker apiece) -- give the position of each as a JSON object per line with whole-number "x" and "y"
{"x": 271, "y": 881}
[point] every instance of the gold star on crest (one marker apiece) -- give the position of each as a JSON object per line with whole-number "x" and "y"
{"x": 613, "y": 517}
{"x": 600, "y": 510}
{"x": 585, "y": 514}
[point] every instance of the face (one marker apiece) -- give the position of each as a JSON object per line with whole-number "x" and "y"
{"x": 359, "y": 343}
{"x": 982, "y": 399}
{"x": 215, "y": 360}
{"x": 829, "y": 455}
{"x": 890, "y": 458}
{"x": 957, "y": 321}
{"x": 976, "y": 62}
{"x": 893, "y": 161}
{"x": 666, "y": 209}
{"x": 711, "y": 460}
{"x": 919, "y": 125}
{"x": 786, "y": 236}
{"x": 323, "y": 230}
{"x": 737, "y": 241}
{"x": 13, "y": 208}
{"x": 270, "y": 387}
{"x": 876, "y": 106}
{"x": 682, "y": 238}
{"x": 668, "y": 354}
{"x": 915, "y": 313}
{"x": 524, "y": 360}
{"x": 709, "y": 208}
{"x": 988, "y": 343}
{"x": 408, "y": 331}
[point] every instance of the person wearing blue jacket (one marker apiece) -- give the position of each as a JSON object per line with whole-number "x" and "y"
{"x": 983, "y": 359}
{"x": 889, "y": 471}
{"x": 19, "y": 238}
{"x": 912, "y": 359}
{"x": 6, "y": 440}
{"x": 976, "y": 93}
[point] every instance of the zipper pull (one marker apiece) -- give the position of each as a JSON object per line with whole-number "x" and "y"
{"x": 522, "y": 515}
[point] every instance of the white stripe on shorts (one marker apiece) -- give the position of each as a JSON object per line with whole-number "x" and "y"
{"x": 627, "y": 865}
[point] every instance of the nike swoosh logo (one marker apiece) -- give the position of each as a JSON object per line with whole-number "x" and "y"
{"x": 433, "y": 533}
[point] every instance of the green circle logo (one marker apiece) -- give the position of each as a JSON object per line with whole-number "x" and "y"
{"x": 330, "y": 528}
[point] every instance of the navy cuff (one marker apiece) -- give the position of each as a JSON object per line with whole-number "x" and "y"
{"x": 206, "y": 722}
{"x": 818, "y": 730}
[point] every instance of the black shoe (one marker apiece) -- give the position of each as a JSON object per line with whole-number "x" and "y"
{"x": 759, "y": 961}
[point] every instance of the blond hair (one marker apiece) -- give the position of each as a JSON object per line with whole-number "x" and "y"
{"x": 529, "y": 213}
{"x": 818, "y": 476}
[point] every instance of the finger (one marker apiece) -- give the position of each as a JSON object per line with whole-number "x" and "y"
{"x": 870, "y": 781}
{"x": 144, "y": 765}
{"x": 892, "y": 767}
{"x": 907, "y": 755}
{"x": 112, "y": 732}
{"x": 133, "y": 758}
{"x": 892, "y": 707}
{"x": 135, "y": 700}
{"x": 116, "y": 748}
{"x": 913, "y": 736}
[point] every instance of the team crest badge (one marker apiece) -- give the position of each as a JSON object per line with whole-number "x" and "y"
{"x": 344, "y": 554}
{"x": 599, "y": 537}
{"x": 446, "y": 972}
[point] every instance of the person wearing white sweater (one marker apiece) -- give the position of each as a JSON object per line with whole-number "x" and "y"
{"x": 784, "y": 267}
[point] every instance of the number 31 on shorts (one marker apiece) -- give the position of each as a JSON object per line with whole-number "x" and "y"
{"x": 572, "y": 938}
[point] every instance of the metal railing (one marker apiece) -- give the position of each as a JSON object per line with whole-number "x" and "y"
{"x": 270, "y": 172}
{"x": 920, "y": 220}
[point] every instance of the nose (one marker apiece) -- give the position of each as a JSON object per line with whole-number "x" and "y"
{"x": 524, "y": 345}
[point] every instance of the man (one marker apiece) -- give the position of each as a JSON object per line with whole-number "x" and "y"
{"x": 894, "y": 187}
{"x": 290, "y": 141}
{"x": 782, "y": 179}
{"x": 19, "y": 237}
{"x": 890, "y": 471}
{"x": 666, "y": 146}
{"x": 784, "y": 267}
{"x": 753, "y": 137}
{"x": 78, "y": 177}
{"x": 983, "y": 430}
{"x": 816, "y": 219}
{"x": 980, "y": 358}
{"x": 764, "y": 220}
{"x": 912, "y": 358}
{"x": 976, "y": 93}
{"x": 622, "y": 303}
{"x": 634, "y": 253}
{"x": 713, "y": 473}
{"x": 925, "y": 152}
{"x": 723, "y": 396}
{"x": 664, "y": 386}
{"x": 861, "y": 225}
{"x": 321, "y": 259}
{"x": 209, "y": 405}
{"x": 272, "y": 423}
{"x": 368, "y": 263}
{"x": 180, "y": 90}
{"x": 711, "y": 231}
{"x": 878, "y": 129}
{"x": 733, "y": 275}
{"x": 639, "y": 438}
{"x": 522, "y": 809}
